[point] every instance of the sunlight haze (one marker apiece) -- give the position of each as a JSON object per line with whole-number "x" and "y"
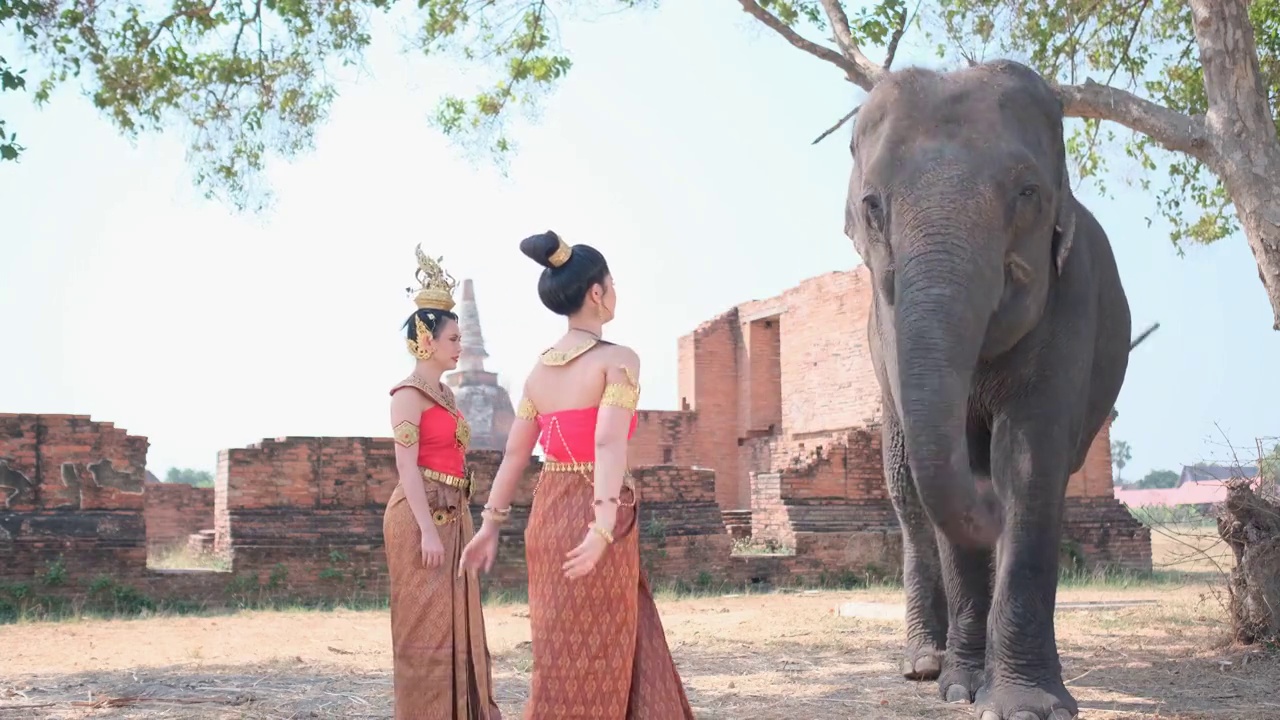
{"x": 678, "y": 145}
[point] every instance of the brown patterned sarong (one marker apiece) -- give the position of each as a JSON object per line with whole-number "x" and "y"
{"x": 442, "y": 664}
{"x": 599, "y": 649}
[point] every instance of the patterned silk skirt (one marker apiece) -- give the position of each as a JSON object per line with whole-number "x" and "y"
{"x": 599, "y": 650}
{"x": 442, "y": 665}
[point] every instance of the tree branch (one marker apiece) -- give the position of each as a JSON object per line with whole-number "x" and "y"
{"x": 833, "y": 128}
{"x": 851, "y": 71}
{"x": 866, "y": 73}
{"x": 1173, "y": 131}
{"x": 892, "y": 51}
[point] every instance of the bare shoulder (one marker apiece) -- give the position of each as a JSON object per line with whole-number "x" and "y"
{"x": 615, "y": 355}
{"x": 408, "y": 403}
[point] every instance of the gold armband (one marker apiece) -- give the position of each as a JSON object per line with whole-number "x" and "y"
{"x": 623, "y": 395}
{"x": 526, "y": 410}
{"x": 406, "y": 434}
{"x": 620, "y": 395}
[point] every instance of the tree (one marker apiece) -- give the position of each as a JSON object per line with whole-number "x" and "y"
{"x": 1157, "y": 479}
{"x": 1196, "y": 82}
{"x": 1120, "y": 455}
{"x": 187, "y": 476}
{"x": 248, "y": 78}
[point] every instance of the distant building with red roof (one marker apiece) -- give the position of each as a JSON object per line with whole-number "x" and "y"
{"x": 1199, "y": 486}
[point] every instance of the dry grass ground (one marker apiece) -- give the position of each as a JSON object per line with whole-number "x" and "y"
{"x": 759, "y": 657}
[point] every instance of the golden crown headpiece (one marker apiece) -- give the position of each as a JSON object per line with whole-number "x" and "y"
{"x": 435, "y": 291}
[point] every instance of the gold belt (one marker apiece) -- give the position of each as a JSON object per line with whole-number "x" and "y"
{"x": 464, "y": 484}
{"x": 568, "y": 467}
{"x": 586, "y": 470}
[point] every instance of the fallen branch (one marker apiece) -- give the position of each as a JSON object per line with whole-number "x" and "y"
{"x": 114, "y": 702}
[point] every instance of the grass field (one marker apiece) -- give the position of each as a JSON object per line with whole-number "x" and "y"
{"x": 1166, "y": 656}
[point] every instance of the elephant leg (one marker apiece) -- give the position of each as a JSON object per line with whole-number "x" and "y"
{"x": 1030, "y": 460}
{"x": 968, "y": 579}
{"x": 921, "y": 568}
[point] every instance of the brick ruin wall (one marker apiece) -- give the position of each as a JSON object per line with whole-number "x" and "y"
{"x": 174, "y": 512}
{"x": 300, "y": 518}
{"x": 71, "y": 506}
{"x": 780, "y": 397}
{"x": 777, "y": 438}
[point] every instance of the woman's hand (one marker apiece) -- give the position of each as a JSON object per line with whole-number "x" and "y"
{"x": 583, "y": 559}
{"x": 432, "y": 550}
{"x": 481, "y": 552}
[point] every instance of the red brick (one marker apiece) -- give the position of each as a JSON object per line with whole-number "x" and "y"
{"x": 175, "y": 511}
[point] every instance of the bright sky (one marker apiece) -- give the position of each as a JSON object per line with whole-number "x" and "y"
{"x": 679, "y": 146}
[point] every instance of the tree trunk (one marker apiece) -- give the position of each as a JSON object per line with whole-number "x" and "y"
{"x": 1250, "y": 524}
{"x": 1242, "y": 132}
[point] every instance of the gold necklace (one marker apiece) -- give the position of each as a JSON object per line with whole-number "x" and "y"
{"x": 554, "y": 357}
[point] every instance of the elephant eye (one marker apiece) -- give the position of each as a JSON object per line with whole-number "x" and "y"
{"x": 874, "y": 211}
{"x": 1029, "y": 190}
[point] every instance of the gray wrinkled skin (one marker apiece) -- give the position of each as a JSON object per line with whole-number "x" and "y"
{"x": 1000, "y": 336}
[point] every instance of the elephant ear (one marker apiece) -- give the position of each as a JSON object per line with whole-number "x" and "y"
{"x": 852, "y": 206}
{"x": 1064, "y": 229}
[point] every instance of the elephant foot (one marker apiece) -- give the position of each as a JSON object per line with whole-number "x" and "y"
{"x": 959, "y": 681}
{"x": 1049, "y": 701}
{"x": 921, "y": 662}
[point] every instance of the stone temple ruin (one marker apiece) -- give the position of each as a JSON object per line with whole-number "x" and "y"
{"x": 775, "y": 451}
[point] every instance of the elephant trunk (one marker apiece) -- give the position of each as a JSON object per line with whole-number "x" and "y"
{"x": 945, "y": 298}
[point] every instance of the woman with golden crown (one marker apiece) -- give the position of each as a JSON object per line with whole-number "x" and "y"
{"x": 442, "y": 664}
{"x": 599, "y": 650}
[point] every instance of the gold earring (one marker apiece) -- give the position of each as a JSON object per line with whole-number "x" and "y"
{"x": 422, "y": 348}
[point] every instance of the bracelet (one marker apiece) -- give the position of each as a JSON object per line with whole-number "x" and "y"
{"x": 494, "y": 515}
{"x": 599, "y": 502}
{"x": 608, "y": 536}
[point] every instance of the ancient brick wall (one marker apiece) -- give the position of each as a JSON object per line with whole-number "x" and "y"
{"x": 1094, "y": 479}
{"x": 709, "y": 387}
{"x": 827, "y": 380}
{"x": 71, "y": 502}
{"x": 174, "y": 511}
{"x": 663, "y": 437}
{"x": 307, "y": 511}
{"x": 785, "y": 407}
{"x": 773, "y": 377}
{"x": 833, "y": 486}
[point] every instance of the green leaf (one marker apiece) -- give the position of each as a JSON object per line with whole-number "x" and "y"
{"x": 1144, "y": 46}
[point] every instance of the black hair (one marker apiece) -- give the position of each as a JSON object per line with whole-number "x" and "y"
{"x": 433, "y": 319}
{"x": 564, "y": 289}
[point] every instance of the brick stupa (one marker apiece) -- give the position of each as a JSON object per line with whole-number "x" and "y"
{"x": 484, "y": 403}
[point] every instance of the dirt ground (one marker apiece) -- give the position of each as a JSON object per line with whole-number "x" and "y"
{"x": 762, "y": 657}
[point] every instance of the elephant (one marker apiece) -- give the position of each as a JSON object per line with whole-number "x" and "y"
{"x": 999, "y": 332}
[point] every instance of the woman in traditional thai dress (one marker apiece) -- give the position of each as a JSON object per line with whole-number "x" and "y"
{"x": 599, "y": 650}
{"x": 442, "y": 664}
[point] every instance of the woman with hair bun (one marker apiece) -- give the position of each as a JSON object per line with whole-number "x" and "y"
{"x": 441, "y": 659}
{"x": 599, "y": 650}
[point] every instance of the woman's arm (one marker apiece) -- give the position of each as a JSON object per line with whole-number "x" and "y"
{"x": 515, "y": 458}
{"x": 617, "y": 406}
{"x": 406, "y": 412}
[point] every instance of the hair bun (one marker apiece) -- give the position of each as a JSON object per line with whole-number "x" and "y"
{"x": 540, "y": 247}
